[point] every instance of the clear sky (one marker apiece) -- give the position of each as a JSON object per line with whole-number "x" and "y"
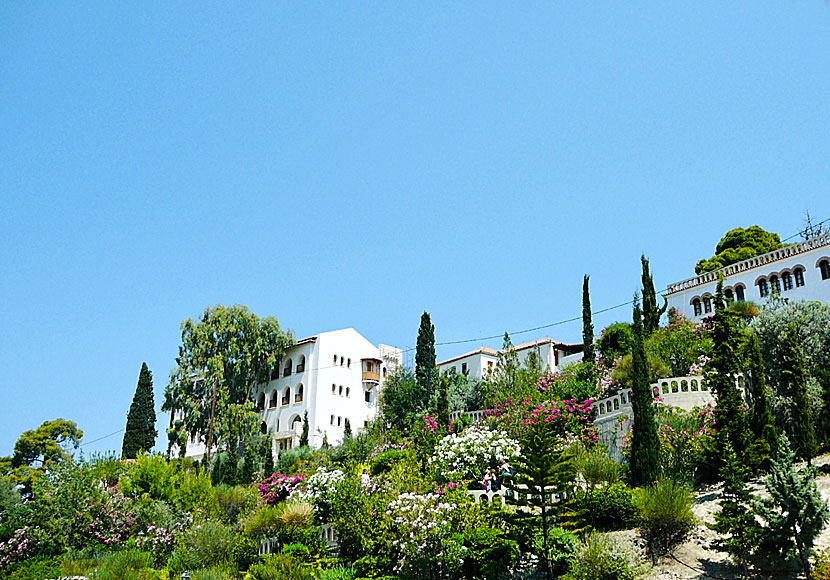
{"x": 354, "y": 164}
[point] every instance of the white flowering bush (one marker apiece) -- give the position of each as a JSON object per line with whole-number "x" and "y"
{"x": 425, "y": 526}
{"x": 318, "y": 489}
{"x": 466, "y": 455}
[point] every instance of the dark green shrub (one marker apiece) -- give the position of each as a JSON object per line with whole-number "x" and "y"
{"x": 35, "y": 568}
{"x": 384, "y": 462}
{"x": 290, "y": 459}
{"x": 299, "y": 552}
{"x": 372, "y": 567}
{"x": 665, "y": 515}
{"x": 562, "y": 545}
{"x": 280, "y": 567}
{"x": 488, "y": 553}
{"x": 606, "y": 509}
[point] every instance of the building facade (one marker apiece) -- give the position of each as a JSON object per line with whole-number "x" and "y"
{"x": 800, "y": 271}
{"x": 481, "y": 362}
{"x": 333, "y": 376}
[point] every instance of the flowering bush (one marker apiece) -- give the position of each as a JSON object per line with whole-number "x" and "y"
{"x": 278, "y": 487}
{"x": 466, "y": 455}
{"x": 107, "y": 522}
{"x": 23, "y": 544}
{"x": 161, "y": 539}
{"x": 696, "y": 369}
{"x": 424, "y": 524}
{"x": 569, "y": 419}
{"x": 318, "y": 489}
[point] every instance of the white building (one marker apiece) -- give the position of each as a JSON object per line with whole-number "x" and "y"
{"x": 479, "y": 363}
{"x": 800, "y": 271}
{"x": 334, "y": 376}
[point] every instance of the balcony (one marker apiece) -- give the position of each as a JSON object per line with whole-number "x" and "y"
{"x": 371, "y": 377}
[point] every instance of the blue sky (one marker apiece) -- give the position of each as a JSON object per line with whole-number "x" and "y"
{"x": 352, "y": 165}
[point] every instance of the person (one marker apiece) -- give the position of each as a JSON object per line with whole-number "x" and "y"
{"x": 506, "y": 475}
{"x": 364, "y": 478}
{"x": 491, "y": 481}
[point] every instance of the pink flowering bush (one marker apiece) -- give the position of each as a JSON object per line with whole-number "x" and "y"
{"x": 569, "y": 419}
{"x": 24, "y": 543}
{"x": 278, "y": 487}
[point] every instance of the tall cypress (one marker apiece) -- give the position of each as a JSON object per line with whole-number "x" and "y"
{"x": 794, "y": 380}
{"x": 645, "y": 444}
{"x": 587, "y": 323}
{"x": 304, "y": 434}
{"x": 140, "y": 433}
{"x": 721, "y": 376}
{"x": 651, "y": 314}
{"x": 425, "y": 352}
{"x": 761, "y": 421}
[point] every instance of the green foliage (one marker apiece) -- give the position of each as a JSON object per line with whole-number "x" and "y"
{"x": 615, "y": 341}
{"x": 204, "y": 545}
{"x": 425, "y": 353}
{"x": 401, "y": 399}
{"x": 645, "y": 446}
{"x": 487, "y": 553}
{"x": 651, "y": 314}
{"x": 587, "y": 324}
{"x": 235, "y": 501}
{"x": 665, "y": 515}
{"x": 794, "y": 514}
{"x": 794, "y": 380}
{"x": 596, "y": 468}
{"x": 385, "y": 461}
{"x": 150, "y": 475}
{"x": 290, "y": 461}
{"x": 562, "y": 546}
{"x": 735, "y": 521}
{"x": 605, "y": 509}
{"x": 262, "y": 522}
{"x": 464, "y": 393}
{"x": 125, "y": 565}
{"x": 360, "y": 520}
{"x": 36, "y": 568}
{"x": 338, "y": 573}
{"x": 599, "y": 557}
{"x": 227, "y": 350}
{"x": 304, "y": 434}
{"x": 140, "y": 433}
{"x": 738, "y": 245}
{"x": 761, "y": 422}
{"x": 35, "y": 450}
{"x": 823, "y": 423}
{"x": 282, "y": 566}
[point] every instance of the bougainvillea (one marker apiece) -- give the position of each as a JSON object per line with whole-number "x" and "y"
{"x": 465, "y": 456}
{"x": 278, "y": 487}
{"x": 569, "y": 419}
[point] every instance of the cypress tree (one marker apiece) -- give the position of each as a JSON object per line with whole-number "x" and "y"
{"x": 140, "y": 433}
{"x": 794, "y": 380}
{"x": 645, "y": 444}
{"x": 651, "y": 314}
{"x": 761, "y": 422}
{"x": 246, "y": 473}
{"x": 587, "y": 324}
{"x": 425, "y": 352}
{"x": 267, "y": 460}
{"x": 230, "y": 473}
{"x": 347, "y": 431}
{"x": 304, "y": 434}
{"x": 721, "y": 376}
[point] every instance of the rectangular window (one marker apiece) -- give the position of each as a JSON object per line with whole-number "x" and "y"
{"x": 368, "y": 396}
{"x": 707, "y": 305}
{"x": 799, "y": 278}
{"x": 464, "y": 369}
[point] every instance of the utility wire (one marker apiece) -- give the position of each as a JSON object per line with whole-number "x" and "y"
{"x": 102, "y": 438}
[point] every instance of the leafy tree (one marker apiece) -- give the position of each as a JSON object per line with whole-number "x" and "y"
{"x": 615, "y": 341}
{"x": 587, "y": 324}
{"x": 735, "y": 522}
{"x": 543, "y": 471}
{"x": 36, "y": 450}
{"x": 794, "y": 514}
{"x": 645, "y": 444}
{"x": 512, "y": 379}
{"x": 425, "y": 351}
{"x": 401, "y": 399}
{"x": 651, "y": 314}
{"x": 227, "y": 351}
{"x": 794, "y": 377}
{"x": 304, "y": 434}
{"x": 140, "y": 434}
{"x": 738, "y": 245}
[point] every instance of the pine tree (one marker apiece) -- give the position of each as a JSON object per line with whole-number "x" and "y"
{"x": 425, "y": 352}
{"x": 230, "y": 471}
{"x": 794, "y": 380}
{"x": 645, "y": 444}
{"x": 761, "y": 422}
{"x": 542, "y": 471}
{"x": 794, "y": 515}
{"x": 140, "y": 433}
{"x": 735, "y": 522}
{"x": 304, "y": 434}
{"x": 587, "y": 324}
{"x": 246, "y": 472}
{"x": 721, "y": 377}
{"x": 651, "y": 314}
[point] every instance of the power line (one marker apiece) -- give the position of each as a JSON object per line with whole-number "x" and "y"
{"x": 104, "y": 437}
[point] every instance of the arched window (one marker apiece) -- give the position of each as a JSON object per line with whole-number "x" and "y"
{"x": 286, "y": 371}
{"x": 348, "y": 390}
{"x": 335, "y": 359}
{"x": 384, "y": 372}
{"x": 332, "y": 419}
{"x": 739, "y": 293}
{"x": 798, "y": 274}
{"x": 273, "y": 401}
{"x": 616, "y": 404}
{"x": 602, "y": 408}
{"x": 728, "y": 295}
{"x": 275, "y": 373}
{"x": 707, "y": 304}
{"x": 824, "y": 268}
{"x": 263, "y": 428}
{"x": 787, "y": 281}
{"x": 697, "y": 307}
{"x": 286, "y": 396}
{"x": 260, "y": 402}
{"x": 763, "y": 288}
{"x": 301, "y": 364}
{"x": 339, "y": 420}
{"x": 775, "y": 284}
{"x": 349, "y": 364}
{"x": 298, "y": 397}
